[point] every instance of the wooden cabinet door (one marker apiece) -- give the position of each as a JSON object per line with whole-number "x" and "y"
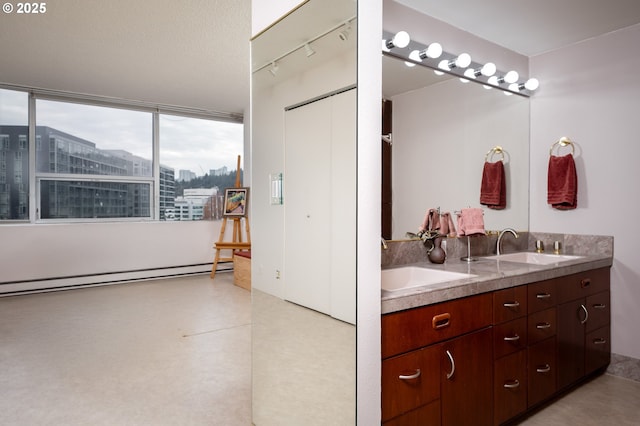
{"x": 466, "y": 392}
{"x": 571, "y": 335}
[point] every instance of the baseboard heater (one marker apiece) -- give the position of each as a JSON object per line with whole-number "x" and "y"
{"x": 12, "y": 288}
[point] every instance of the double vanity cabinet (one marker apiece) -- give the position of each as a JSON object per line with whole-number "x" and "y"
{"x": 488, "y": 358}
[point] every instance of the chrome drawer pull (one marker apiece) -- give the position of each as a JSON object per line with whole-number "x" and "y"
{"x": 543, "y": 368}
{"x": 512, "y": 384}
{"x": 543, "y": 295}
{"x": 543, "y": 325}
{"x": 511, "y": 338}
{"x": 586, "y": 314}
{"x": 599, "y": 306}
{"x": 453, "y": 366}
{"x": 511, "y": 304}
{"x": 599, "y": 341}
{"x": 411, "y": 376}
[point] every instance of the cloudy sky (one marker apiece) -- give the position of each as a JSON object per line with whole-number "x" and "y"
{"x": 185, "y": 143}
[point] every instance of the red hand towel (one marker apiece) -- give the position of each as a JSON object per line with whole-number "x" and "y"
{"x": 562, "y": 183}
{"x": 493, "y": 191}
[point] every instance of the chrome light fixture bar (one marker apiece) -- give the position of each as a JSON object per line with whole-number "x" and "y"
{"x": 441, "y": 62}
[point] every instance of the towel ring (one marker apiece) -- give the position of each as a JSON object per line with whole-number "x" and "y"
{"x": 563, "y": 141}
{"x": 495, "y": 150}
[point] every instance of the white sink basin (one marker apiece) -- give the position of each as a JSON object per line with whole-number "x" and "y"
{"x": 412, "y": 276}
{"x": 534, "y": 258}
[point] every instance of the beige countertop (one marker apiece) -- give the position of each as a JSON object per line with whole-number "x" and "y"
{"x": 489, "y": 275}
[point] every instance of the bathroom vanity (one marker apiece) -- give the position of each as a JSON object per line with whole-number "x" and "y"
{"x": 490, "y": 347}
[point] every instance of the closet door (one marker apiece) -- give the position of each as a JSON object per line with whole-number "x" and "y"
{"x": 320, "y": 206}
{"x": 307, "y": 206}
{"x": 343, "y": 206}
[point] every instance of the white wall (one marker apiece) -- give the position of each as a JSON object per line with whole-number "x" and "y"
{"x": 590, "y": 92}
{"x": 441, "y": 135}
{"x": 34, "y": 252}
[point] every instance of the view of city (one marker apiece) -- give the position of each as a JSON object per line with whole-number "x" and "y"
{"x": 187, "y": 197}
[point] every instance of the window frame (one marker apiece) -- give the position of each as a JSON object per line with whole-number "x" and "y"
{"x": 35, "y": 178}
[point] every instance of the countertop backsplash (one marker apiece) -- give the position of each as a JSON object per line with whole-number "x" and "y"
{"x": 405, "y": 252}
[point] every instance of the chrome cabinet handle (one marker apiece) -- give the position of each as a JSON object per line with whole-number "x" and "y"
{"x": 543, "y": 325}
{"x": 453, "y": 365}
{"x": 512, "y": 384}
{"x": 599, "y": 341}
{"x": 511, "y": 338}
{"x": 586, "y": 314}
{"x": 543, "y": 368}
{"x": 599, "y": 306}
{"x": 410, "y": 376}
{"x": 511, "y": 304}
{"x": 543, "y": 295}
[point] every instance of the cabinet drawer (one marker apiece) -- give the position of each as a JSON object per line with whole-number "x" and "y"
{"x": 542, "y": 371}
{"x": 509, "y": 304}
{"x": 541, "y": 325}
{"x": 583, "y": 284}
{"x": 426, "y": 415}
{"x": 598, "y": 306}
{"x": 542, "y": 295}
{"x": 414, "y": 328}
{"x": 597, "y": 349}
{"x": 509, "y": 337}
{"x": 410, "y": 381}
{"x": 510, "y": 386}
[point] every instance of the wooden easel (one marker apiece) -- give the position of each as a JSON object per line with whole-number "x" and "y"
{"x": 236, "y": 242}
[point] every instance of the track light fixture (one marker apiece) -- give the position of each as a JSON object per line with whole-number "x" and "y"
{"x": 274, "y": 69}
{"x": 308, "y": 50}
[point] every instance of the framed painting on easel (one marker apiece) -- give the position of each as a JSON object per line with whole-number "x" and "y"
{"x": 235, "y": 202}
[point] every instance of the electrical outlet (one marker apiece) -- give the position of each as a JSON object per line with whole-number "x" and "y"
{"x": 277, "y": 274}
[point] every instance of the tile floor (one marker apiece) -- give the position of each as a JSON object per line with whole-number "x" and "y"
{"x": 167, "y": 352}
{"x": 176, "y": 352}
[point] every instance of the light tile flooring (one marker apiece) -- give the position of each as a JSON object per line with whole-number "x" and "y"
{"x": 175, "y": 352}
{"x": 166, "y": 352}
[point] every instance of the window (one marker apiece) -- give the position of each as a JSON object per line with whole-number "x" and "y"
{"x": 202, "y": 155}
{"x": 94, "y": 159}
{"x": 14, "y": 157}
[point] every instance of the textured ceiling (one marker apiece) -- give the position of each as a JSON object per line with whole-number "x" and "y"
{"x": 532, "y": 27}
{"x": 192, "y": 53}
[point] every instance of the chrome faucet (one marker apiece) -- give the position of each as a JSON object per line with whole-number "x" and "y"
{"x": 504, "y": 231}
{"x": 384, "y": 243}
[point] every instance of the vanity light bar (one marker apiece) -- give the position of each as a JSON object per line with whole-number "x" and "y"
{"x": 461, "y": 66}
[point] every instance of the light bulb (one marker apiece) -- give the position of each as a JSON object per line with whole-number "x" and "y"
{"x": 464, "y": 80}
{"x": 463, "y": 61}
{"x": 488, "y": 69}
{"x": 433, "y": 51}
{"x": 469, "y": 73}
{"x": 444, "y": 65}
{"x": 384, "y": 46}
{"x": 532, "y": 84}
{"x": 493, "y": 80}
{"x": 401, "y": 40}
{"x": 514, "y": 87}
{"x": 511, "y": 77}
{"x": 414, "y": 55}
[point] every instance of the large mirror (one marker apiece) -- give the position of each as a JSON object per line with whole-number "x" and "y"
{"x": 442, "y": 130}
{"x": 303, "y": 216}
